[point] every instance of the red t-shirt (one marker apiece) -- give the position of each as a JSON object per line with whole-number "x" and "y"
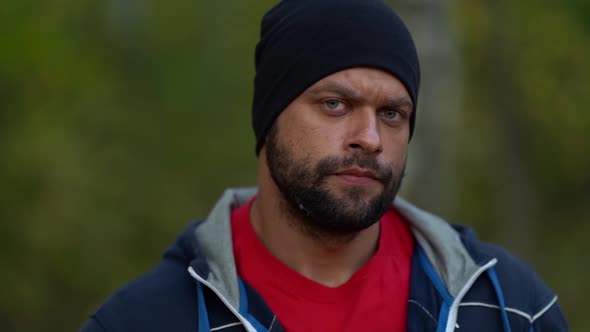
{"x": 374, "y": 299}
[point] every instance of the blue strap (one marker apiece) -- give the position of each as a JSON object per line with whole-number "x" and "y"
{"x": 433, "y": 276}
{"x": 203, "y": 321}
{"x": 443, "y": 315}
{"x": 244, "y": 309}
{"x": 243, "y": 297}
{"x": 500, "y": 295}
{"x": 203, "y": 315}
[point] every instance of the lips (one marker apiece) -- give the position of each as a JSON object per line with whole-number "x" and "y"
{"x": 358, "y": 172}
{"x": 357, "y": 177}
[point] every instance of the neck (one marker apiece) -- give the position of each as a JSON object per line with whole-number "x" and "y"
{"x": 328, "y": 261}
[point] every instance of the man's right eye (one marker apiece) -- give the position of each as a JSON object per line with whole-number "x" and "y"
{"x": 334, "y": 105}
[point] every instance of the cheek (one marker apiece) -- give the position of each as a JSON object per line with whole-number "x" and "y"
{"x": 398, "y": 158}
{"x": 395, "y": 149}
{"x": 308, "y": 138}
{"x": 320, "y": 142}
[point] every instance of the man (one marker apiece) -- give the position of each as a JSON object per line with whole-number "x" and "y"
{"x": 323, "y": 244}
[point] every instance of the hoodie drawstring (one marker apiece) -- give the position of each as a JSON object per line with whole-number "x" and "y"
{"x": 496, "y": 283}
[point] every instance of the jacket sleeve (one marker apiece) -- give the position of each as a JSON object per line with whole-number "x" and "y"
{"x": 550, "y": 318}
{"x": 163, "y": 299}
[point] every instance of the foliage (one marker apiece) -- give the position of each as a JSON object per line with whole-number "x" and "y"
{"x": 122, "y": 120}
{"x": 526, "y": 124}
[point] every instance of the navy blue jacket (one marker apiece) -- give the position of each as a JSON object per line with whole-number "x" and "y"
{"x": 457, "y": 283}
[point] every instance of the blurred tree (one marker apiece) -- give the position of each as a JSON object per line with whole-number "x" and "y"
{"x": 122, "y": 120}
{"x": 431, "y": 174}
{"x": 526, "y": 134}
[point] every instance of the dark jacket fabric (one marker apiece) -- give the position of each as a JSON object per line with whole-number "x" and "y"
{"x": 458, "y": 283}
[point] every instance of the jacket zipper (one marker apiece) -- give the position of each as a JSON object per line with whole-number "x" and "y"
{"x": 242, "y": 319}
{"x": 452, "y": 318}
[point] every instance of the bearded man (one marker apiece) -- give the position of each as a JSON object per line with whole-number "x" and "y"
{"x": 323, "y": 244}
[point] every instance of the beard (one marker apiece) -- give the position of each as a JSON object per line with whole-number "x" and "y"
{"x": 320, "y": 211}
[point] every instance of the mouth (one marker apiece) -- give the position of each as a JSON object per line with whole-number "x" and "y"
{"x": 359, "y": 172}
{"x": 357, "y": 176}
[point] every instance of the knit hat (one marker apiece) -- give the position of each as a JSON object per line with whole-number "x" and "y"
{"x": 303, "y": 41}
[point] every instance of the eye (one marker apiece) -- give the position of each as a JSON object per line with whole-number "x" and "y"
{"x": 334, "y": 107}
{"x": 390, "y": 114}
{"x": 333, "y": 104}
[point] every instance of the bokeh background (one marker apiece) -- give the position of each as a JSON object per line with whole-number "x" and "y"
{"x": 122, "y": 120}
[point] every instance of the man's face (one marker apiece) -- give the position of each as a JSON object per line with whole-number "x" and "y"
{"x": 337, "y": 153}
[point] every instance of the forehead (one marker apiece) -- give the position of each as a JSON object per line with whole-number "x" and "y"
{"x": 361, "y": 80}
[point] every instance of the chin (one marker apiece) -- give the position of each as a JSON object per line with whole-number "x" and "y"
{"x": 367, "y": 192}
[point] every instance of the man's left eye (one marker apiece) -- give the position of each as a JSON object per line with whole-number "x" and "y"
{"x": 333, "y": 104}
{"x": 390, "y": 114}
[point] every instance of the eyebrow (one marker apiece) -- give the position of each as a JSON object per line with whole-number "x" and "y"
{"x": 349, "y": 93}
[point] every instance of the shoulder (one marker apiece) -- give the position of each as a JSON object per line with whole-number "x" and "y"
{"x": 163, "y": 299}
{"x": 525, "y": 294}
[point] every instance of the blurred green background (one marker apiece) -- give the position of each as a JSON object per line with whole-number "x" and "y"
{"x": 122, "y": 120}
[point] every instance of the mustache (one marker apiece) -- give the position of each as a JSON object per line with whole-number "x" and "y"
{"x": 330, "y": 165}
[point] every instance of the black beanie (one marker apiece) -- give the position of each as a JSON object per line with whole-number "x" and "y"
{"x": 303, "y": 41}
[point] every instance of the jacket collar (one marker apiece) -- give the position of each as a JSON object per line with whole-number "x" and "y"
{"x": 441, "y": 244}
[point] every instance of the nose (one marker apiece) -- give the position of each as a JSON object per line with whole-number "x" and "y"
{"x": 363, "y": 135}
